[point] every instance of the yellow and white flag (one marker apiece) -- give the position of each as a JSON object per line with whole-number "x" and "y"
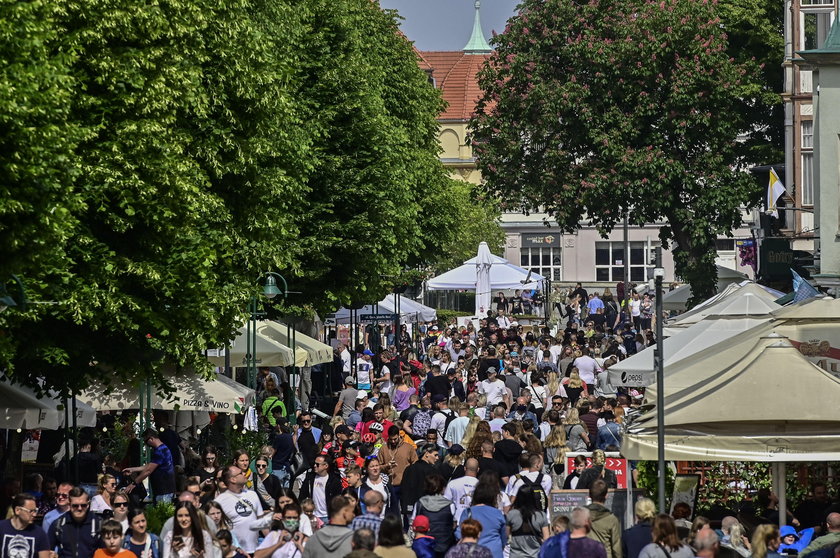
{"x": 774, "y": 191}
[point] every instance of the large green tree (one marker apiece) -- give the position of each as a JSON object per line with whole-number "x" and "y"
{"x": 593, "y": 109}
{"x": 186, "y": 147}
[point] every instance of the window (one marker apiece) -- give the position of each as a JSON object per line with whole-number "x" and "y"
{"x": 807, "y": 160}
{"x": 725, "y": 244}
{"x": 545, "y": 260}
{"x": 807, "y": 134}
{"x": 813, "y": 26}
{"x": 609, "y": 261}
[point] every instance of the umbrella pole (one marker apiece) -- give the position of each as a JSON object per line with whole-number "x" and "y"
{"x": 67, "y": 435}
{"x": 780, "y": 472}
{"x": 75, "y": 437}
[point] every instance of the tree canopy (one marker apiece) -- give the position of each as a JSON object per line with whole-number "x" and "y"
{"x": 161, "y": 157}
{"x": 593, "y": 109}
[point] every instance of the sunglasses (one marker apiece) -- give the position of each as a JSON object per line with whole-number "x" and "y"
{"x": 79, "y": 506}
{"x": 61, "y": 496}
{"x": 125, "y": 504}
{"x": 306, "y": 422}
{"x": 261, "y": 466}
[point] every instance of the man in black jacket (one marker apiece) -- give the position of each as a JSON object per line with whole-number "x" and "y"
{"x": 76, "y": 533}
{"x": 415, "y": 475}
{"x": 322, "y": 485}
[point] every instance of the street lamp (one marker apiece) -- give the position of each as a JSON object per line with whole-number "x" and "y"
{"x": 270, "y": 290}
{"x": 659, "y": 360}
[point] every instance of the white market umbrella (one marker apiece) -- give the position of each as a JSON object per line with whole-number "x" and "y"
{"x": 268, "y": 352}
{"x": 308, "y": 351}
{"x": 21, "y": 407}
{"x": 410, "y": 311}
{"x": 503, "y": 275}
{"x": 191, "y": 393}
{"x": 483, "y": 290}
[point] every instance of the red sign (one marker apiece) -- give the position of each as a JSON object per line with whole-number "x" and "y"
{"x": 614, "y": 464}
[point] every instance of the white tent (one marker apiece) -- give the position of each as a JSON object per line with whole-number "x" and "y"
{"x": 771, "y": 404}
{"x": 503, "y": 275}
{"x": 268, "y": 352}
{"x": 314, "y": 352}
{"x": 747, "y": 299}
{"x": 21, "y": 407}
{"x": 191, "y": 393}
{"x": 410, "y": 310}
{"x": 678, "y": 298}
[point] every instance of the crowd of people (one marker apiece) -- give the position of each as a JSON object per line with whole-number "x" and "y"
{"x": 447, "y": 449}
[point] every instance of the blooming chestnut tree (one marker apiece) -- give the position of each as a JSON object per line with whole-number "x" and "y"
{"x": 593, "y": 109}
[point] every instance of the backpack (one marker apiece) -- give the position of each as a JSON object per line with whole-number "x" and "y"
{"x": 450, "y": 416}
{"x": 536, "y": 486}
{"x": 421, "y": 422}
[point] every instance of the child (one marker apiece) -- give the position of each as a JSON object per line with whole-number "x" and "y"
{"x": 112, "y": 539}
{"x": 308, "y": 508}
{"x": 424, "y": 544}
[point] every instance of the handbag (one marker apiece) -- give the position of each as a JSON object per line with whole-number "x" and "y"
{"x": 297, "y": 465}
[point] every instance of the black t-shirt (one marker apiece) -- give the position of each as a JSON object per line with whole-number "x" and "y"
{"x": 409, "y": 413}
{"x": 490, "y": 464}
{"x": 484, "y": 364}
{"x": 26, "y": 543}
{"x": 438, "y": 385}
{"x": 599, "y": 320}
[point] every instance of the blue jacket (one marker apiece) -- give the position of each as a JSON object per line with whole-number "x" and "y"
{"x": 556, "y": 546}
{"x": 439, "y": 511}
{"x": 75, "y": 540}
{"x": 635, "y": 538}
{"x": 424, "y": 547}
{"x": 494, "y": 527}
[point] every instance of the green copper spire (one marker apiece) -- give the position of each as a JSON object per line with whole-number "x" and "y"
{"x": 477, "y": 43}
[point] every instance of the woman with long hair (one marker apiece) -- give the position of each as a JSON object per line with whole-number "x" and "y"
{"x": 555, "y": 455}
{"x": 403, "y": 390}
{"x": 391, "y": 540}
{"x": 485, "y": 509}
{"x": 138, "y": 539}
{"x": 387, "y": 408}
{"x": 527, "y": 525}
{"x": 472, "y": 427}
{"x": 665, "y": 541}
{"x": 214, "y": 511}
{"x": 187, "y": 539}
{"x": 209, "y": 466}
{"x": 242, "y": 460}
{"x": 266, "y": 485}
{"x": 481, "y": 435}
{"x": 766, "y": 541}
{"x": 105, "y": 490}
{"x": 468, "y": 546}
{"x": 374, "y": 480}
{"x": 574, "y": 387}
{"x": 598, "y": 470}
{"x": 577, "y": 435}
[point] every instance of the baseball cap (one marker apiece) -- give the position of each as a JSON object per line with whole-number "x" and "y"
{"x": 343, "y": 429}
{"x": 368, "y": 352}
{"x": 350, "y": 381}
{"x": 420, "y": 524}
{"x": 455, "y": 449}
{"x": 362, "y": 394}
{"x": 491, "y": 370}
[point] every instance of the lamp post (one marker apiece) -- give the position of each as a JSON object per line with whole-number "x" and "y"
{"x": 659, "y": 361}
{"x": 270, "y": 290}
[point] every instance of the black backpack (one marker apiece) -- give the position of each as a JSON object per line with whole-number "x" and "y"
{"x": 449, "y": 418}
{"x": 536, "y": 486}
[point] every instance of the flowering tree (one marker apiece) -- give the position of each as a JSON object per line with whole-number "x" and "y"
{"x": 591, "y": 109}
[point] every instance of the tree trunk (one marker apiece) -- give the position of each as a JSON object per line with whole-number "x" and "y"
{"x": 694, "y": 260}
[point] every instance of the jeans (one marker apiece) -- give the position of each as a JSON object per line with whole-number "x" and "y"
{"x": 164, "y": 497}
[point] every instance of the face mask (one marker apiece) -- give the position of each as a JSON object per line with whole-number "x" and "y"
{"x": 291, "y": 524}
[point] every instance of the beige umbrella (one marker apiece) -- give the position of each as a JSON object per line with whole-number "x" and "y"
{"x": 269, "y": 352}
{"x": 308, "y": 351}
{"x": 21, "y": 407}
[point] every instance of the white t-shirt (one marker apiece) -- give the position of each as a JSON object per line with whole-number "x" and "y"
{"x": 288, "y": 550}
{"x": 514, "y": 484}
{"x": 439, "y": 423}
{"x": 587, "y": 367}
{"x": 319, "y": 495}
{"x": 387, "y": 386}
{"x": 635, "y": 306}
{"x": 345, "y": 360}
{"x": 242, "y": 509}
{"x": 495, "y": 391}
{"x": 363, "y": 369}
{"x": 460, "y": 492}
{"x": 496, "y": 424}
{"x": 380, "y": 487}
{"x": 99, "y": 504}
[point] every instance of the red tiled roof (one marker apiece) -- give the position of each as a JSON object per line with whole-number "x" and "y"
{"x": 455, "y": 74}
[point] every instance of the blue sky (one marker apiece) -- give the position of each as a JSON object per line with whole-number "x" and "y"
{"x": 446, "y": 24}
